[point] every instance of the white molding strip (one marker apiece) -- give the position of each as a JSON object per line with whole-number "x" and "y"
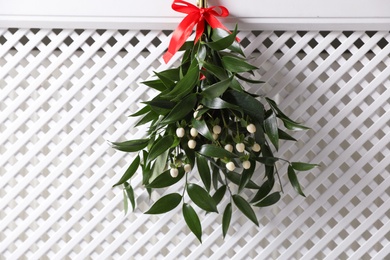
{"x": 168, "y": 23}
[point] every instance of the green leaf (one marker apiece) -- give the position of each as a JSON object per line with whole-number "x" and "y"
{"x": 192, "y": 221}
{"x": 249, "y": 104}
{"x": 245, "y": 208}
{"x": 184, "y": 107}
{"x": 291, "y": 125}
{"x": 201, "y": 55}
{"x": 159, "y": 165}
{"x": 201, "y": 198}
{"x": 269, "y": 200}
{"x": 214, "y": 151}
{"x": 271, "y": 128}
{"x": 156, "y": 84}
{"x": 235, "y": 178}
{"x": 253, "y": 81}
{"x": 215, "y": 176}
{"x": 160, "y": 106}
{"x": 221, "y": 34}
{"x": 165, "y": 179}
{"x": 130, "y": 194}
{"x": 227, "y": 216}
{"x": 172, "y": 74}
{"x": 236, "y": 65}
{"x": 220, "y": 43}
{"x": 216, "y": 89}
{"x": 300, "y": 166}
{"x": 142, "y": 111}
{"x": 168, "y": 83}
{"x": 185, "y": 85}
{"x": 131, "y": 146}
{"x": 129, "y": 172}
{"x": 246, "y": 176}
{"x": 125, "y": 202}
{"x": 285, "y": 136}
{"x": 204, "y": 171}
{"x": 165, "y": 204}
{"x": 263, "y": 190}
{"x": 218, "y": 103}
{"x": 218, "y": 195}
{"x": 202, "y": 128}
{"x": 159, "y": 147}
{"x": 217, "y": 71}
{"x": 147, "y": 118}
{"x": 269, "y": 161}
{"x": 294, "y": 180}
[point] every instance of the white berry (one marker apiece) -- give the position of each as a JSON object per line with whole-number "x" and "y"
{"x": 229, "y": 147}
{"x": 180, "y": 132}
{"x": 246, "y": 164}
{"x": 240, "y": 147}
{"x": 251, "y": 128}
{"x": 217, "y": 129}
{"x": 194, "y": 132}
{"x": 256, "y": 147}
{"x": 191, "y": 144}
{"x": 230, "y": 166}
{"x": 215, "y": 136}
{"x": 187, "y": 167}
{"x": 174, "y": 172}
{"x": 196, "y": 115}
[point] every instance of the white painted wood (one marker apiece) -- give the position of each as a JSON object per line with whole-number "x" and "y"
{"x": 153, "y": 14}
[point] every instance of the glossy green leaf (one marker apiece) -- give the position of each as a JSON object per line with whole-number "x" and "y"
{"x": 264, "y": 190}
{"x": 218, "y": 103}
{"x": 185, "y": 85}
{"x": 160, "y": 146}
{"x": 202, "y": 128}
{"x": 215, "y": 176}
{"x": 269, "y": 161}
{"x": 235, "y": 178}
{"x": 290, "y": 125}
{"x": 294, "y": 180}
{"x": 172, "y": 74}
{"x": 216, "y": 89}
{"x": 249, "y": 104}
{"x": 269, "y": 200}
{"x": 201, "y": 198}
{"x": 246, "y": 176}
{"x": 253, "y": 81}
{"x": 165, "y": 204}
{"x": 201, "y": 55}
{"x": 218, "y": 195}
{"x": 221, "y": 43}
{"x": 271, "y": 128}
{"x": 217, "y": 71}
{"x": 161, "y": 106}
{"x": 129, "y": 172}
{"x": 141, "y": 112}
{"x": 226, "y": 218}
{"x": 155, "y": 84}
{"x": 125, "y": 202}
{"x": 245, "y": 208}
{"x": 151, "y": 116}
{"x": 159, "y": 165}
{"x": 221, "y": 34}
{"x": 214, "y": 151}
{"x": 131, "y": 146}
{"x": 192, "y": 221}
{"x": 300, "y": 166}
{"x": 130, "y": 194}
{"x": 204, "y": 171}
{"x": 236, "y": 65}
{"x": 165, "y": 179}
{"x": 185, "y": 106}
{"x": 285, "y": 136}
{"x": 168, "y": 82}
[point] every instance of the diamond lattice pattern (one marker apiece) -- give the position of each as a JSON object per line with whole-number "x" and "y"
{"x": 66, "y": 93}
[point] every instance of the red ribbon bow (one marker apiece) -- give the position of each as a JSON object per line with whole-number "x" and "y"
{"x": 196, "y": 16}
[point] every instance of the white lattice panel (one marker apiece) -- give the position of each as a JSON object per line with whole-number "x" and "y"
{"x": 64, "y": 93}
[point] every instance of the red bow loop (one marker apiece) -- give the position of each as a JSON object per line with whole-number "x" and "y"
{"x": 195, "y": 16}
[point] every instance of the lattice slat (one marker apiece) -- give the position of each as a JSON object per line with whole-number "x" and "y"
{"x": 65, "y": 93}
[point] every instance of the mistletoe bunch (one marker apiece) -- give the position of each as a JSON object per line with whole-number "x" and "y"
{"x": 204, "y": 122}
